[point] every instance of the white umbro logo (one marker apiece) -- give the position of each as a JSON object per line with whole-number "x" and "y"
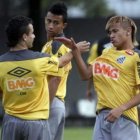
{"x": 121, "y": 59}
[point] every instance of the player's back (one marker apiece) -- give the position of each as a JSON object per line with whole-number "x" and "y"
{"x": 24, "y": 85}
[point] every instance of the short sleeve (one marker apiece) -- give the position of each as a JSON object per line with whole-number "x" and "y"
{"x": 52, "y": 65}
{"x": 46, "y": 47}
{"x": 59, "y": 73}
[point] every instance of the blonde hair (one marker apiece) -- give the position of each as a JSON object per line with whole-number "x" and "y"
{"x": 125, "y": 22}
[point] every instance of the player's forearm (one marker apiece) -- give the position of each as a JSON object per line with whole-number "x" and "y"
{"x": 131, "y": 103}
{"x": 53, "y": 83}
{"x": 65, "y": 59}
{"x": 83, "y": 70}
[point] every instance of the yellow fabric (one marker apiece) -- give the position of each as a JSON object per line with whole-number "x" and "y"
{"x": 63, "y": 72}
{"x": 93, "y": 53}
{"x": 25, "y": 88}
{"x": 119, "y": 69}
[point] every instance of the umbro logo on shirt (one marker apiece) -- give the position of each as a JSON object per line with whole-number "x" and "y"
{"x": 121, "y": 59}
{"x": 19, "y": 72}
{"x": 19, "y": 83}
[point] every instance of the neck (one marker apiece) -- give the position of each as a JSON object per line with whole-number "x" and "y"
{"x": 18, "y": 47}
{"x": 49, "y": 38}
{"x": 126, "y": 46}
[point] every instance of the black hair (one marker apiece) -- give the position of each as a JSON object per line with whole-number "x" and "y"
{"x": 15, "y": 29}
{"x": 59, "y": 8}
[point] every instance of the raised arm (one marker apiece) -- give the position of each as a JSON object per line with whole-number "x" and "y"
{"x": 84, "y": 71}
{"x": 65, "y": 59}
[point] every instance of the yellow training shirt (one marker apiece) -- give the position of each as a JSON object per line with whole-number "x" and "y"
{"x": 63, "y": 72}
{"x": 115, "y": 75}
{"x": 24, "y": 86}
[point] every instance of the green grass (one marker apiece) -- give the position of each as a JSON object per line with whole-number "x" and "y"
{"x": 78, "y": 133}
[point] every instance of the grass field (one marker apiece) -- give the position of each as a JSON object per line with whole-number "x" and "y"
{"x": 77, "y": 133}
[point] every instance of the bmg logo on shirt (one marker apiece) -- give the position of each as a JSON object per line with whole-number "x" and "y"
{"x": 105, "y": 70}
{"x": 20, "y": 84}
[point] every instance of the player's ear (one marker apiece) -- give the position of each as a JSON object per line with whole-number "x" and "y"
{"x": 129, "y": 30}
{"x": 128, "y": 33}
{"x": 24, "y": 37}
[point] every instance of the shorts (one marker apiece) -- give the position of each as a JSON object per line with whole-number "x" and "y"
{"x": 14, "y": 128}
{"x": 121, "y": 129}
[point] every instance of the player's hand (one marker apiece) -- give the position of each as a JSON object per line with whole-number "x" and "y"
{"x": 70, "y": 43}
{"x": 83, "y": 46}
{"x": 114, "y": 114}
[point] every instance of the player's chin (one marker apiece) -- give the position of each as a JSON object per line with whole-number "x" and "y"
{"x": 117, "y": 45}
{"x": 51, "y": 34}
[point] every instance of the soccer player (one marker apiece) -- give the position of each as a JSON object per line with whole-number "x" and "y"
{"x": 116, "y": 76}
{"x": 55, "y": 22}
{"x": 23, "y": 83}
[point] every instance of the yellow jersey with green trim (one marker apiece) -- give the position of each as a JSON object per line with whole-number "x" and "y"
{"x": 57, "y": 49}
{"x": 116, "y": 75}
{"x": 24, "y": 85}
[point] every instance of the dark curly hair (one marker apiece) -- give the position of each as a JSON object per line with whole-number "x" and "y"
{"x": 59, "y": 9}
{"x": 15, "y": 29}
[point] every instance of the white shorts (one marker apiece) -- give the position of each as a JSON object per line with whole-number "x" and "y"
{"x": 14, "y": 128}
{"x": 121, "y": 129}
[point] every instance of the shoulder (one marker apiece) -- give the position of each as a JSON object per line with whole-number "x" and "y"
{"x": 40, "y": 54}
{"x": 22, "y": 55}
{"x": 47, "y": 46}
{"x": 3, "y": 56}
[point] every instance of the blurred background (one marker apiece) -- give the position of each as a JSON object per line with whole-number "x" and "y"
{"x": 86, "y": 21}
